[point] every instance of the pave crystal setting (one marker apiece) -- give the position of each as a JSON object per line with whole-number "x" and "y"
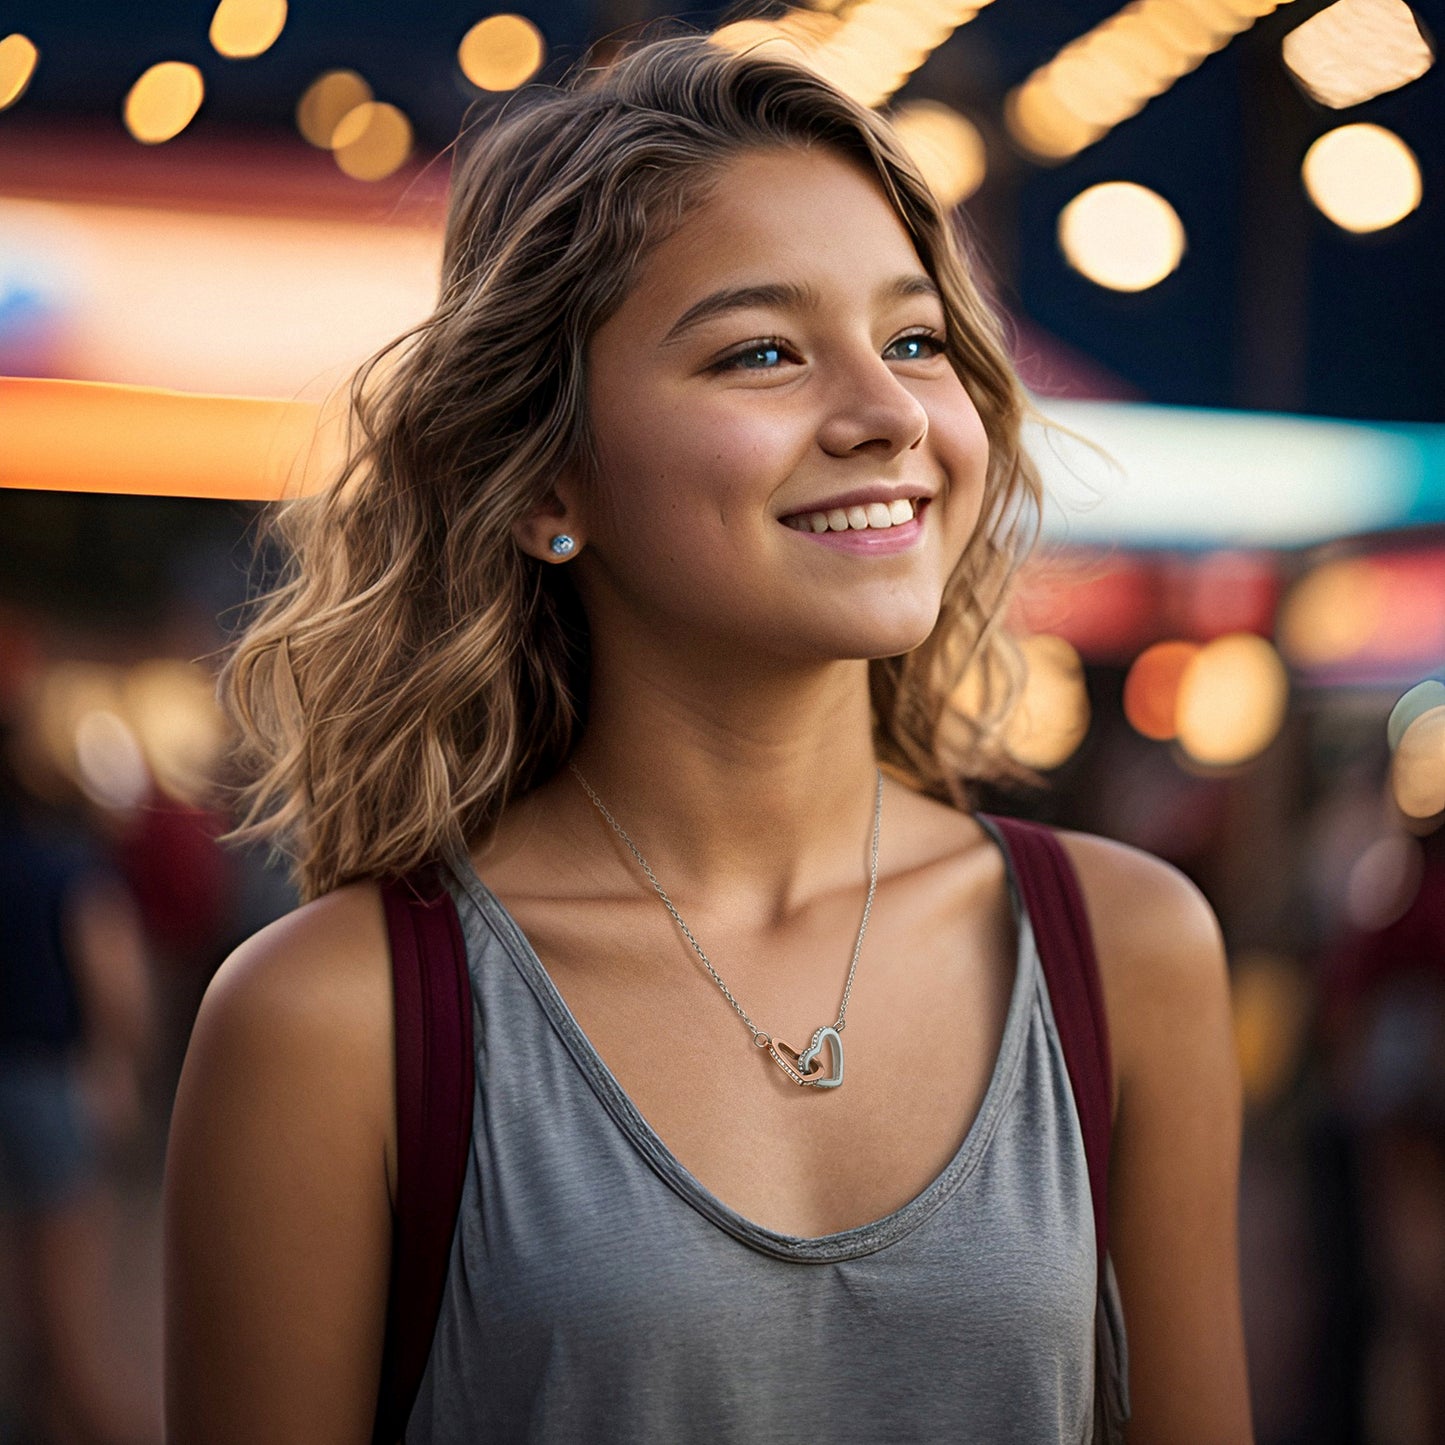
{"x": 806, "y": 1068}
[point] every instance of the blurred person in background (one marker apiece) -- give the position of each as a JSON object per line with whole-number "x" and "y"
{"x": 1384, "y": 1036}
{"x": 75, "y": 1036}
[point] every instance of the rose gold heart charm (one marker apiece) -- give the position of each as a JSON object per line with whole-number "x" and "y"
{"x": 805, "y": 1068}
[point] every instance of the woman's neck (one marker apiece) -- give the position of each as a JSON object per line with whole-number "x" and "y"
{"x": 761, "y": 787}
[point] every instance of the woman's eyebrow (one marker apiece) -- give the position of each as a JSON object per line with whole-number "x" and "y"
{"x": 784, "y": 296}
{"x": 916, "y": 283}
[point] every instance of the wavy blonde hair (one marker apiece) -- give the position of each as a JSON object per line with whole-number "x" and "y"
{"x": 415, "y": 670}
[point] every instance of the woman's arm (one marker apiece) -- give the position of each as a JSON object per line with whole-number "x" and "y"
{"x": 279, "y": 1177}
{"x": 1174, "y": 1175}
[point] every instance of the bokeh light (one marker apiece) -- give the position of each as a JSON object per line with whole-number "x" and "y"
{"x": 802, "y": 32}
{"x": 1151, "y": 689}
{"x": 945, "y": 146}
{"x": 1232, "y": 700}
{"x": 1417, "y": 773}
{"x": 1419, "y": 699}
{"x": 326, "y": 102}
{"x": 109, "y": 763}
{"x": 1039, "y": 119}
{"x": 1121, "y": 235}
{"x": 18, "y": 58}
{"x": 1363, "y": 177}
{"x": 164, "y": 101}
{"x": 66, "y": 693}
{"x": 1051, "y": 717}
{"x": 113, "y": 731}
{"x": 740, "y": 35}
{"x": 501, "y": 52}
{"x": 372, "y": 141}
{"x": 241, "y": 29}
{"x": 869, "y": 55}
{"x": 1090, "y": 89}
{"x": 1354, "y": 50}
{"x": 1112, "y": 71}
{"x": 171, "y": 707}
{"x": 1271, "y": 1002}
{"x": 1331, "y": 614}
{"x": 1383, "y": 881}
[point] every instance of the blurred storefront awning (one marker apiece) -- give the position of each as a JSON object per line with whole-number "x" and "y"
{"x": 1116, "y": 474}
{"x": 1135, "y": 475}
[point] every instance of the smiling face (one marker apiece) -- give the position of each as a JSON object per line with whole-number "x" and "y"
{"x": 789, "y": 467}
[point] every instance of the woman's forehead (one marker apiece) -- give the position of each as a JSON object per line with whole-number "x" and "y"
{"x": 799, "y": 223}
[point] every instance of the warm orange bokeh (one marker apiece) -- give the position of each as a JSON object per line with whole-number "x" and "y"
{"x": 94, "y": 437}
{"x": 1151, "y": 690}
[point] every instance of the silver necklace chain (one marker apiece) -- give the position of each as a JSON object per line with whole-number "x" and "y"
{"x": 761, "y": 1039}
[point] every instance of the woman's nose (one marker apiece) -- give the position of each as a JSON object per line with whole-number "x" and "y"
{"x": 871, "y": 410}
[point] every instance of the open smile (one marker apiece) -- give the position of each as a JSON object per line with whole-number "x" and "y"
{"x": 879, "y": 528}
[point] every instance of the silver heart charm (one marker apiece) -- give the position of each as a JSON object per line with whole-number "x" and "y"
{"x": 807, "y": 1060}
{"x": 806, "y": 1068}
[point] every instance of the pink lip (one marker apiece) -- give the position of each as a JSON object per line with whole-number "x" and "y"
{"x": 879, "y": 543}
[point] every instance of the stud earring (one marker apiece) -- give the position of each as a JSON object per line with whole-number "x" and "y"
{"x": 562, "y": 544}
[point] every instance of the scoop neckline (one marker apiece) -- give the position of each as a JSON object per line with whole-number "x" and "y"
{"x": 861, "y": 1239}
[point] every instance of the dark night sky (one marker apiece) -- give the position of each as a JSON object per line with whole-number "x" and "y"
{"x": 1272, "y": 307}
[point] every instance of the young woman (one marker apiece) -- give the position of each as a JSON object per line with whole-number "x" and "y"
{"x": 670, "y": 533}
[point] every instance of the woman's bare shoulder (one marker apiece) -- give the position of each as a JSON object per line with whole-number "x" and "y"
{"x": 1158, "y": 941}
{"x": 324, "y": 967}
{"x": 310, "y": 996}
{"x": 277, "y": 1183}
{"x": 306, "y": 1004}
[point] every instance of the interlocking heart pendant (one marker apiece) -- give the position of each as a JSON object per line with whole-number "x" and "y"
{"x": 806, "y": 1068}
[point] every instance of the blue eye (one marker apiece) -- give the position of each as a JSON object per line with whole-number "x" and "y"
{"x": 920, "y": 346}
{"x": 759, "y": 356}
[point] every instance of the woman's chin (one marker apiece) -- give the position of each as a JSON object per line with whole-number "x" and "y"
{"x": 902, "y": 633}
{"x": 898, "y": 646}
{"x": 888, "y": 639}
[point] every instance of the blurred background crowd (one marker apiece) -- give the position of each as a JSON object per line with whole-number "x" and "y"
{"x": 1216, "y": 230}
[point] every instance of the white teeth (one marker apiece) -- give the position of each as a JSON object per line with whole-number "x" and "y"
{"x": 875, "y": 516}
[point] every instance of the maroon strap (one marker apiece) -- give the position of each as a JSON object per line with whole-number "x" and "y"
{"x": 1055, "y": 907}
{"x": 434, "y": 1073}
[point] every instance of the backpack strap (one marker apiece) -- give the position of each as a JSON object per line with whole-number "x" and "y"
{"x": 434, "y": 1078}
{"x": 1055, "y": 906}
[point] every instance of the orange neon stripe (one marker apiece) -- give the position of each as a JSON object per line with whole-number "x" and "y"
{"x": 87, "y": 436}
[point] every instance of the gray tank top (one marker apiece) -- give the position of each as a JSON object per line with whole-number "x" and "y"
{"x": 598, "y": 1293}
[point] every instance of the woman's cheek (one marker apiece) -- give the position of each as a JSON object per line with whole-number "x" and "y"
{"x": 963, "y": 451}
{"x": 746, "y": 443}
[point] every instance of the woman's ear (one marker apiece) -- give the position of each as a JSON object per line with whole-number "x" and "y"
{"x": 551, "y": 532}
